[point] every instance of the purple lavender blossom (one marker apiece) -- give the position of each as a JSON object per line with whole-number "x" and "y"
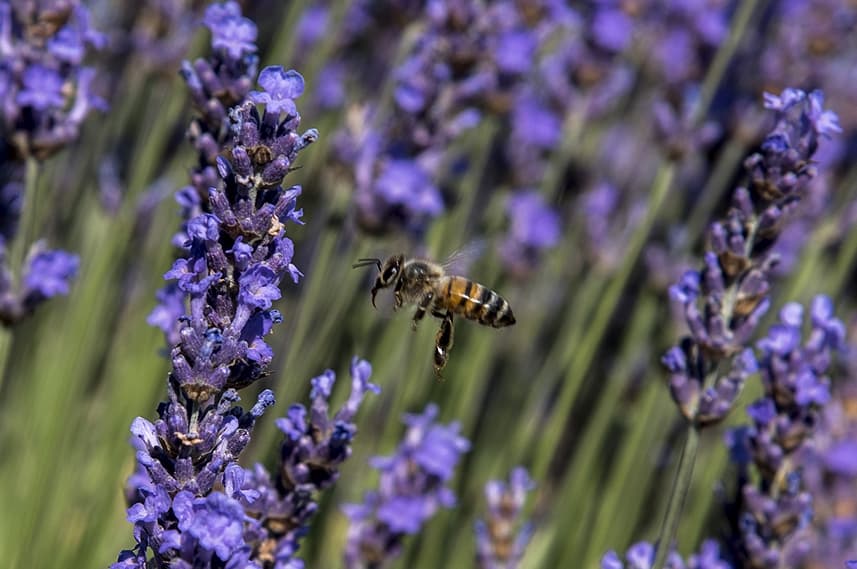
{"x": 217, "y": 84}
{"x": 466, "y": 61}
{"x": 236, "y": 254}
{"x": 809, "y": 42}
{"x": 534, "y": 228}
{"x": 46, "y": 273}
{"x": 314, "y": 446}
{"x": 829, "y": 473}
{"x": 724, "y": 301}
{"x": 226, "y": 76}
{"x": 44, "y": 91}
{"x": 412, "y": 487}
{"x": 641, "y": 555}
{"x": 500, "y": 542}
{"x": 771, "y": 508}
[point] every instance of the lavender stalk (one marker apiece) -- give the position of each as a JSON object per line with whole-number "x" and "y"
{"x": 724, "y": 301}
{"x": 235, "y": 256}
{"x": 314, "y": 446}
{"x": 502, "y": 538}
{"x": 772, "y": 507}
{"x": 45, "y": 95}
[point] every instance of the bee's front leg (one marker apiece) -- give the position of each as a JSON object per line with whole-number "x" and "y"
{"x": 443, "y": 343}
{"x": 424, "y": 304}
{"x": 397, "y": 296}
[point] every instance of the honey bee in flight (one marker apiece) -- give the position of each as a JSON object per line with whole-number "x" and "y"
{"x": 426, "y": 284}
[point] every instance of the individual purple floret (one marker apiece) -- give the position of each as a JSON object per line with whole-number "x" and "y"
{"x": 501, "y": 540}
{"x": 641, "y": 555}
{"x": 772, "y": 507}
{"x": 314, "y": 446}
{"x": 534, "y": 227}
{"x": 412, "y": 487}
{"x": 724, "y": 301}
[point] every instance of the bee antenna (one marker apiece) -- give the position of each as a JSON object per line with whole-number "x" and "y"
{"x": 367, "y": 263}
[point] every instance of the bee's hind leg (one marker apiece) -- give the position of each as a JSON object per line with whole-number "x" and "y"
{"x": 422, "y": 307}
{"x": 443, "y": 343}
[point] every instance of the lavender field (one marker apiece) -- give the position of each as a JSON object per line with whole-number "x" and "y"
{"x": 367, "y": 284}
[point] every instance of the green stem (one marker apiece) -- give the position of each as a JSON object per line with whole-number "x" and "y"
{"x": 683, "y": 477}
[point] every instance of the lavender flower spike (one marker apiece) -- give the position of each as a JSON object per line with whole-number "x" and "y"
{"x": 236, "y": 255}
{"x": 499, "y": 542}
{"x": 411, "y": 489}
{"x": 724, "y": 301}
{"x": 314, "y": 446}
{"x": 771, "y": 507}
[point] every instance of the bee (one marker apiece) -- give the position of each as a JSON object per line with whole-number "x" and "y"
{"x": 426, "y": 284}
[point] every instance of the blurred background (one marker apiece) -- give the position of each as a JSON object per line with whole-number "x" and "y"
{"x": 577, "y": 151}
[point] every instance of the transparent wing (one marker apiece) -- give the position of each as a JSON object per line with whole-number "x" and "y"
{"x": 460, "y": 261}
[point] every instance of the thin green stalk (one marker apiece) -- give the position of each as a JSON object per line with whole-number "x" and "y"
{"x": 683, "y": 478}
{"x": 614, "y": 514}
{"x": 578, "y": 480}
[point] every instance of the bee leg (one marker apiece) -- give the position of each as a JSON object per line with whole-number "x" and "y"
{"x": 397, "y": 296}
{"x": 443, "y": 343}
{"x": 425, "y": 302}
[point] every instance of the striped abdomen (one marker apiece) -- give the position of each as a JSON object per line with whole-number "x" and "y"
{"x": 474, "y": 301}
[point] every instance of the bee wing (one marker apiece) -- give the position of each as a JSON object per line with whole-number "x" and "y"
{"x": 460, "y": 261}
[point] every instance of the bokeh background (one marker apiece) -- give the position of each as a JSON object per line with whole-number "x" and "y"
{"x": 628, "y": 128}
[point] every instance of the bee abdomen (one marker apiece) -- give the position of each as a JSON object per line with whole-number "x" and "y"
{"x": 477, "y": 302}
{"x": 494, "y": 310}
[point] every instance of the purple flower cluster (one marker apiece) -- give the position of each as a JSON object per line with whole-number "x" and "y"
{"x": 397, "y": 160}
{"x": 234, "y": 258}
{"x": 258, "y": 520}
{"x": 534, "y": 227}
{"x": 45, "y": 91}
{"x": 829, "y": 473}
{"x": 724, "y": 301}
{"x": 314, "y": 446}
{"x": 216, "y": 84}
{"x": 773, "y": 505}
{"x": 810, "y": 43}
{"x": 500, "y": 542}
{"x": 466, "y": 61}
{"x": 641, "y": 555}
{"x": 262, "y": 146}
{"x": 412, "y": 487}
{"x": 179, "y": 520}
{"x": 46, "y": 273}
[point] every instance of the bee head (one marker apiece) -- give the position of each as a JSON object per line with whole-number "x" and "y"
{"x": 390, "y": 270}
{"x": 388, "y": 273}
